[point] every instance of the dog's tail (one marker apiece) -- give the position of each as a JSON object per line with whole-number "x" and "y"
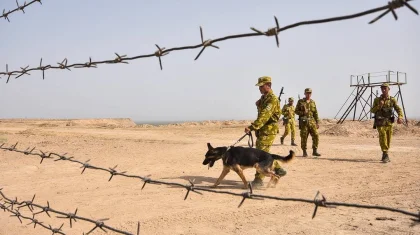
{"x": 288, "y": 158}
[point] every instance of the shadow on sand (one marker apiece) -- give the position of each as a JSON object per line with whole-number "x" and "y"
{"x": 341, "y": 159}
{"x": 209, "y": 181}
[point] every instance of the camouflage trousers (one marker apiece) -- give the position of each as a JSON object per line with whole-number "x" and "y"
{"x": 385, "y": 134}
{"x": 264, "y": 143}
{"x": 290, "y": 128}
{"x": 307, "y": 129}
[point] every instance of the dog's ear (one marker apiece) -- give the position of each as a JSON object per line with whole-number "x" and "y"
{"x": 209, "y": 146}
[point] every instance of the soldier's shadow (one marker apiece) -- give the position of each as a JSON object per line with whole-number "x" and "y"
{"x": 341, "y": 159}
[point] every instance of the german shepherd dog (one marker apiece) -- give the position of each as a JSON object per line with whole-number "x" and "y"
{"x": 240, "y": 158}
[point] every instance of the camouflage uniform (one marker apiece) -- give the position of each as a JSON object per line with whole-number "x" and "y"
{"x": 289, "y": 121}
{"x": 265, "y": 126}
{"x": 307, "y": 123}
{"x": 383, "y": 122}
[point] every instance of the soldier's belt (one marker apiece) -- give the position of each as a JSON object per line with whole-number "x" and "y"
{"x": 303, "y": 118}
{"x": 271, "y": 121}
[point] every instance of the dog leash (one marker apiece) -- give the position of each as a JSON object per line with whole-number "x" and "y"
{"x": 250, "y": 140}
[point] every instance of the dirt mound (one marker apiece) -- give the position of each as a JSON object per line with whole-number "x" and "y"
{"x": 365, "y": 129}
{"x": 202, "y": 123}
{"x": 103, "y": 123}
{"x": 47, "y": 124}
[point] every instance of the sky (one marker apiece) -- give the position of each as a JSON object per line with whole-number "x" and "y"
{"x": 220, "y": 85}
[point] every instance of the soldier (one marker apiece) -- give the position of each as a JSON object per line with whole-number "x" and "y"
{"x": 289, "y": 121}
{"x": 265, "y": 126}
{"x": 308, "y": 122}
{"x": 384, "y": 118}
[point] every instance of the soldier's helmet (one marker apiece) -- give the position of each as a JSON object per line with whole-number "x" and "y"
{"x": 385, "y": 84}
{"x": 290, "y": 99}
{"x": 308, "y": 90}
{"x": 263, "y": 80}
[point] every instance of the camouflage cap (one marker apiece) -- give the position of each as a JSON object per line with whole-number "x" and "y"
{"x": 385, "y": 84}
{"x": 263, "y": 80}
{"x": 308, "y": 90}
{"x": 291, "y": 99}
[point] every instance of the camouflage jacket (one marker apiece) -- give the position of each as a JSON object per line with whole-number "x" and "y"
{"x": 268, "y": 115}
{"x": 288, "y": 111}
{"x": 310, "y": 107}
{"x": 386, "y": 111}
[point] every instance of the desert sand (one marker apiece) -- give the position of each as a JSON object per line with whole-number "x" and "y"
{"x": 349, "y": 170}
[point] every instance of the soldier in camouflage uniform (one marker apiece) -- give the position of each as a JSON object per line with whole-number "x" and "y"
{"x": 308, "y": 122}
{"x": 384, "y": 118}
{"x": 289, "y": 121}
{"x": 266, "y": 126}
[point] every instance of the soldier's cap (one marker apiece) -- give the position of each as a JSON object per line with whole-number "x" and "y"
{"x": 263, "y": 80}
{"x": 385, "y": 84}
{"x": 308, "y": 90}
{"x": 290, "y": 98}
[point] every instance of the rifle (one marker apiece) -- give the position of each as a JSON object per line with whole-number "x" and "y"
{"x": 281, "y": 93}
{"x": 374, "y": 122}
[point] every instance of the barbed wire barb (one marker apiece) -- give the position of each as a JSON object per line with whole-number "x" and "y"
{"x": 34, "y": 221}
{"x": 191, "y": 188}
{"x": 56, "y": 230}
{"x": 70, "y": 216}
{"x": 98, "y": 224}
{"x": 22, "y": 8}
{"x": 159, "y": 53}
{"x": 43, "y": 69}
{"x": 205, "y": 44}
{"x": 270, "y": 32}
{"x": 392, "y": 5}
{"x": 28, "y": 204}
{"x": 5, "y": 15}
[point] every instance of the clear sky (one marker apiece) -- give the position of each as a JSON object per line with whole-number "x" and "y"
{"x": 221, "y": 83}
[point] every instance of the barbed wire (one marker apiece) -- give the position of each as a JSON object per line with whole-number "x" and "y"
{"x": 390, "y": 7}
{"x": 10, "y": 203}
{"x": 5, "y": 14}
{"x": 192, "y": 188}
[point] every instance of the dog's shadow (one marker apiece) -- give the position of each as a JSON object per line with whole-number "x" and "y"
{"x": 207, "y": 182}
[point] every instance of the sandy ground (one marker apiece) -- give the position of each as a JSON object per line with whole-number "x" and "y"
{"x": 348, "y": 171}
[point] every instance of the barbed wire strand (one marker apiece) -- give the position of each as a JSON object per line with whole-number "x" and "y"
{"x": 5, "y": 14}
{"x": 71, "y": 216}
{"x": 390, "y": 7}
{"x": 192, "y": 188}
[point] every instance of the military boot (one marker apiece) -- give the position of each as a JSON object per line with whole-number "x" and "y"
{"x": 282, "y": 140}
{"x": 280, "y": 171}
{"x": 257, "y": 183}
{"x": 385, "y": 159}
{"x": 293, "y": 143}
{"x": 315, "y": 153}
{"x": 305, "y": 154}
